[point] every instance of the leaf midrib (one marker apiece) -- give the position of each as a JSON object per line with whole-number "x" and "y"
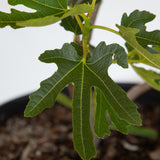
{"x": 81, "y": 108}
{"x": 138, "y": 19}
{"x": 146, "y": 39}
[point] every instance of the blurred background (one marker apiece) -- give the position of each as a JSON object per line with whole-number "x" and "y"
{"x": 20, "y": 70}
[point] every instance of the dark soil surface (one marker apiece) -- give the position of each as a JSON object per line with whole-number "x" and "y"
{"x": 48, "y": 136}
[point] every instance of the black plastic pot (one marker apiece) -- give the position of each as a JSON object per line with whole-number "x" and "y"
{"x": 18, "y": 105}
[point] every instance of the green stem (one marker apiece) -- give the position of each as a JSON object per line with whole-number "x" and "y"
{"x": 93, "y": 3}
{"x": 105, "y": 28}
{"x": 85, "y": 49}
{"x": 84, "y": 16}
{"x": 74, "y": 39}
{"x": 79, "y": 22}
{"x": 85, "y": 37}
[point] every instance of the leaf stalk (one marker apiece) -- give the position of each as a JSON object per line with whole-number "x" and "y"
{"x": 93, "y": 4}
{"x": 104, "y": 28}
{"x": 85, "y": 37}
{"x": 79, "y": 22}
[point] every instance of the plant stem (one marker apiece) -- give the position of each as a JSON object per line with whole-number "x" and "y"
{"x": 74, "y": 39}
{"x": 105, "y": 28}
{"x": 85, "y": 48}
{"x": 79, "y": 22}
{"x": 93, "y": 3}
{"x": 85, "y": 37}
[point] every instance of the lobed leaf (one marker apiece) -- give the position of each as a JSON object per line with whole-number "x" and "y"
{"x": 84, "y": 75}
{"x": 47, "y": 12}
{"x": 133, "y": 30}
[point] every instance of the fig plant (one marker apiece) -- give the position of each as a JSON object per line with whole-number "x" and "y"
{"x": 87, "y": 67}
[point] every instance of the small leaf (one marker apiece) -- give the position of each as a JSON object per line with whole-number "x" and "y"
{"x": 120, "y": 56}
{"x": 47, "y": 12}
{"x": 129, "y": 34}
{"x": 70, "y": 24}
{"x": 151, "y": 77}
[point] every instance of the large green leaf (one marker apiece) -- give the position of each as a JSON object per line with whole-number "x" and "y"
{"x": 151, "y": 77}
{"x": 84, "y": 75}
{"x": 47, "y": 12}
{"x": 129, "y": 34}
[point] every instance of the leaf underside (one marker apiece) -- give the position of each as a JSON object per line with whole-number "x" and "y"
{"x": 151, "y": 77}
{"x": 47, "y": 12}
{"x": 133, "y": 30}
{"x": 84, "y": 75}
